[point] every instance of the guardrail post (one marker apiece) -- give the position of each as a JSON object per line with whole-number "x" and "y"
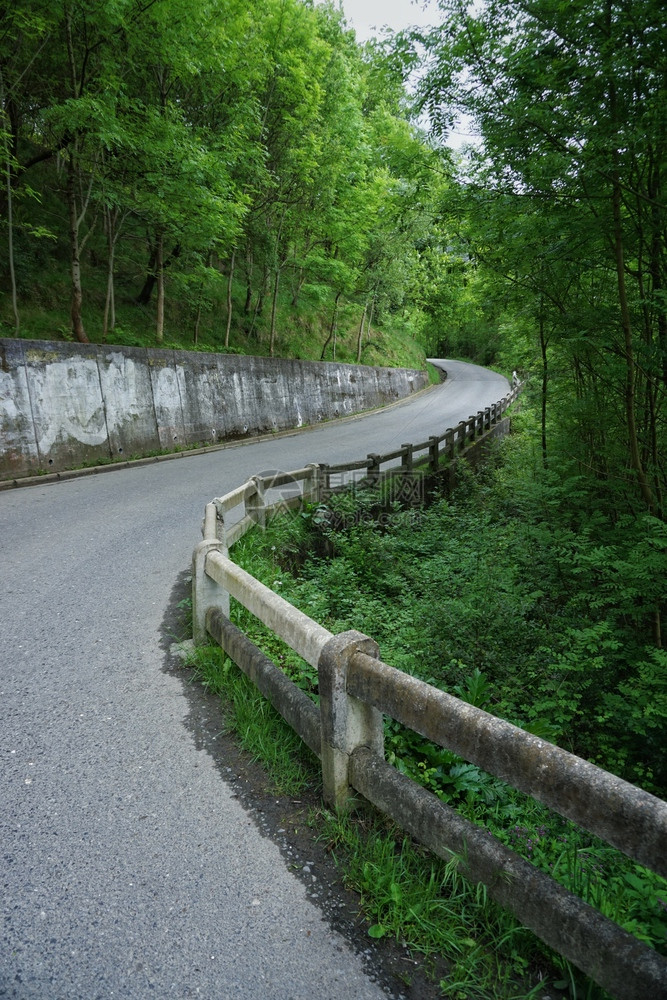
{"x": 406, "y": 464}
{"x": 311, "y": 486}
{"x": 449, "y": 442}
{"x": 434, "y": 453}
{"x": 255, "y": 506}
{"x": 462, "y": 428}
{"x": 324, "y": 483}
{"x": 347, "y": 723}
{"x": 206, "y": 593}
{"x": 373, "y": 468}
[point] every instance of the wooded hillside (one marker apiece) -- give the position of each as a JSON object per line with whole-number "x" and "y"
{"x": 228, "y": 158}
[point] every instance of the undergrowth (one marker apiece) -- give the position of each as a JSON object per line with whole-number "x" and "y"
{"x": 404, "y": 891}
{"x": 496, "y": 596}
{"x": 257, "y": 727}
{"x": 301, "y": 329}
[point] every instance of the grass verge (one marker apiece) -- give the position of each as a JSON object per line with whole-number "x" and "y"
{"x": 467, "y": 947}
{"x": 512, "y": 610}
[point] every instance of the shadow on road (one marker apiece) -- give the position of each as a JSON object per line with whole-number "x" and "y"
{"x": 283, "y": 819}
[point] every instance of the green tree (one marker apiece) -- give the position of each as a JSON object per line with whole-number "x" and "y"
{"x": 135, "y": 128}
{"x": 570, "y": 102}
{"x": 188, "y": 137}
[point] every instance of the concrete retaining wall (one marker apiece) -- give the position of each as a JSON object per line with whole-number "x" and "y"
{"x": 62, "y": 405}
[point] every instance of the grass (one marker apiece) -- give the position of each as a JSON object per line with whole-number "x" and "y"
{"x": 424, "y": 902}
{"x": 344, "y": 573}
{"x": 301, "y": 329}
{"x": 258, "y": 729}
{"x": 467, "y": 944}
{"x": 499, "y": 640}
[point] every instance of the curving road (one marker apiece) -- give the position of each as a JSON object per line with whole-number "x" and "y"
{"x": 129, "y": 867}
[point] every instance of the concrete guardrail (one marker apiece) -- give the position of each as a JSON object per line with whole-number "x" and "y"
{"x": 356, "y": 689}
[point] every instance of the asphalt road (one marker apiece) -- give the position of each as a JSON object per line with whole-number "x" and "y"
{"x": 129, "y": 866}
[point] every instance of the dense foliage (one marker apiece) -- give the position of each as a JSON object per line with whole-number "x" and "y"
{"x": 497, "y": 594}
{"x": 501, "y": 580}
{"x": 225, "y": 163}
{"x": 564, "y": 203}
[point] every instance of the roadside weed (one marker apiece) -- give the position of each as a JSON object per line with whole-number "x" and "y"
{"x": 491, "y": 597}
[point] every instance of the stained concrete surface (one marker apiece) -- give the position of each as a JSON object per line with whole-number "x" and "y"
{"x": 62, "y": 405}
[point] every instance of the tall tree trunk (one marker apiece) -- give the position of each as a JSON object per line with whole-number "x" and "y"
{"x": 10, "y": 210}
{"x": 626, "y": 323}
{"x": 109, "y": 304}
{"x": 332, "y": 328}
{"x": 113, "y": 221}
{"x": 543, "y": 349}
{"x": 159, "y": 275}
{"x": 370, "y": 316}
{"x": 74, "y": 217}
{"x": 658, "y": 383}
{"x": 361, "y": 332}
{"x": 195, "y": 335}
{"x": 249, "y": 268}
{"x": 144, "y": 296}
{"x": 299, "y": 285}
{"x": 75, "y": 253}
{"x": 229, "y": 298}
{"x": 274, "y": 309}
{"x": 10, "y": 247}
